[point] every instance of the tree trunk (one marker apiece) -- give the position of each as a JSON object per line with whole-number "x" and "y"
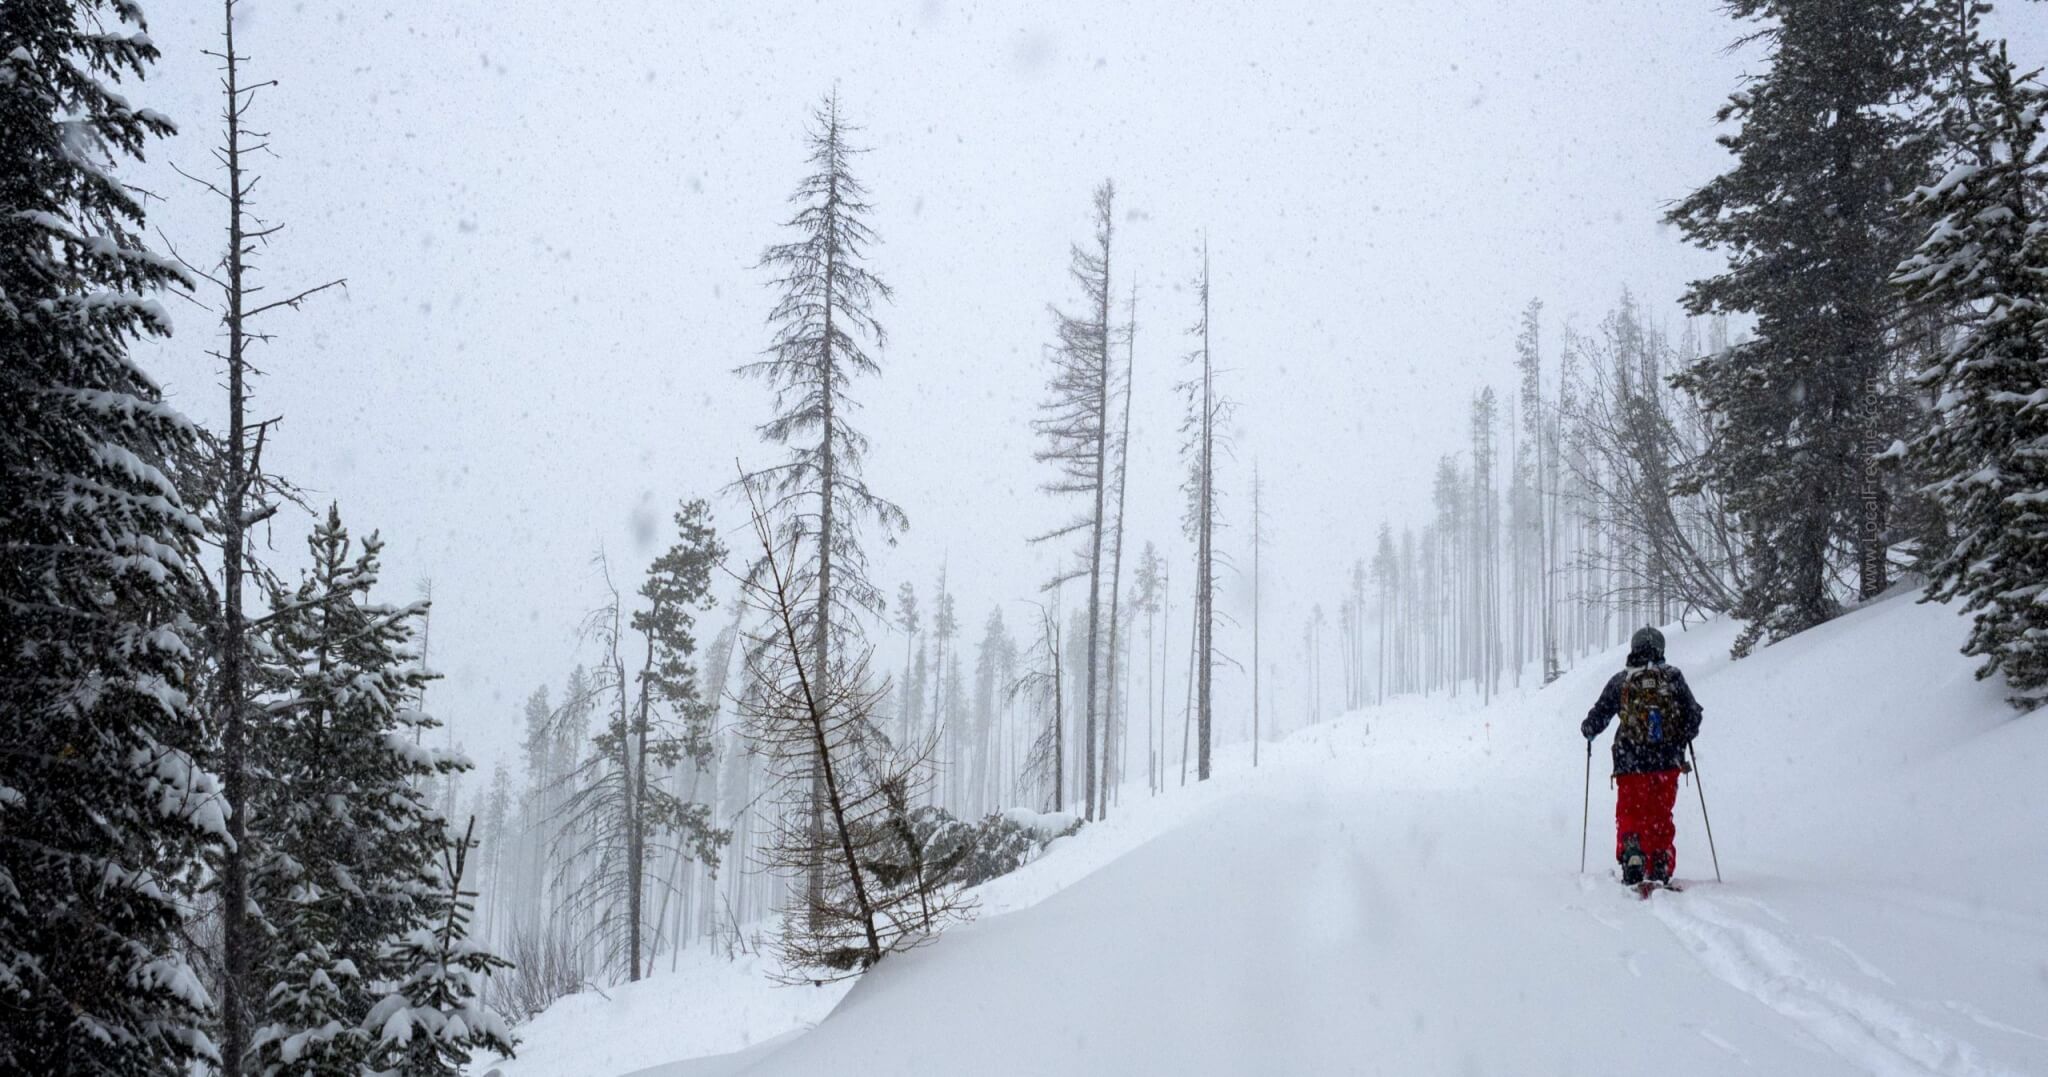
{"x": 1095, "y": 553}
{"x": 634, "y": 756}
{"x": 1116, "y": 564}
{"x": 1205, "y": 582}
{"x": 234, "y": 747}
{"x": 1255, "y": 614}
{"x": 821, "y": 626}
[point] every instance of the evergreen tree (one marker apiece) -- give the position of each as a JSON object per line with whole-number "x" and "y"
{"x": 920, "y": 675}
{"x": 103, "y": 809}
{"x": 678, "y": 586}
{"x": 995, "y": 655}
{"x": 957, "y": 734}
{"x": 435, "y": 1018}
{"x": 1149, "y": 583}
{"x": 655, "y": 719}
{"x": 343, "y": 840}
{"x": 1985, "y": 257}
{"x": 1386, "y": 578}
{"x": 539, "y": 803}
{"x": 908, "y": 703}
{"x": 1826, "y": 142}
{"x": 495, "y": 842}
{"x": 945, "y": 626}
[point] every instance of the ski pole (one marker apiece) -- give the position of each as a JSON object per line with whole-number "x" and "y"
{"x": 1701, "y": 786}
{"x": 1586, "y": 819}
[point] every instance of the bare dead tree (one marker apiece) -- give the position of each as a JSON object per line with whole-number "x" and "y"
{"x": 1258, "y": 546}
{"x": 828, "y": 297}
{"x": 1112, "y": 726}
{"x": 1201, "y": 442}
{"x": 1671, "y": 547}
{"x": 244, "y": 497}
{"x": 1075, "y": 425}
{"x": 844, "y": 791}
{"x": 1046, "y": 757}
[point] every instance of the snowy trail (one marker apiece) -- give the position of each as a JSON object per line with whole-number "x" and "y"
{"x": 1396, "y": 893}
{"x": 1867, "y": 1029}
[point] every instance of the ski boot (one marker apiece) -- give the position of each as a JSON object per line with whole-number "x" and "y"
{"x": 1631, "y": 861}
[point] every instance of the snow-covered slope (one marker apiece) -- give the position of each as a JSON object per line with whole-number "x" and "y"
{"x": 1397, "y": 892}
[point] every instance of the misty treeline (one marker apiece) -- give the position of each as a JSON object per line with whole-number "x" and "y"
{"x": 231, "y": 837}
{"x": 800, "y": 783}
{"x": 1559, "y": 525}
{"x": 772, "y": 788}
{"x": 1856, "y": 398}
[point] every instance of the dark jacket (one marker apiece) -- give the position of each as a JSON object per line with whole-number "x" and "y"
{"x": 1633, "y": 756}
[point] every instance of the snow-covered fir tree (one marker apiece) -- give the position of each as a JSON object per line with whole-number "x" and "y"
{"x": 1826, "y": 141}
{"x": 344, "y": 844}
{"x": 103, "y": 808}
{"x": 434, "y": 1018}
{"x": 1985, "y": 258}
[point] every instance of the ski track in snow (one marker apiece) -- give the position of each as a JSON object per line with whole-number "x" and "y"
{"x": 1862, "y": 966}
{"x": 1973, "y": 1013}
{"x": 1707, "y": 1034}
{"x": 1869, "y": 1031}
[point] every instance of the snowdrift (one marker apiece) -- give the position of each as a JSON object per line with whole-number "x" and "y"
{"x": 1398, "y": 893}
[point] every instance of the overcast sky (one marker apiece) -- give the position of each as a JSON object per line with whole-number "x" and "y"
{"x": 549, "y": 224}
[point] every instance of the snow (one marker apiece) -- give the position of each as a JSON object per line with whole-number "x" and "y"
{"x": 707, "y": 1006}
{"x": 1047, "y": 825}
{"x": 1397, "y": 892}
{"x": 182, "y": 789}
{"x": 1957, "y": 176}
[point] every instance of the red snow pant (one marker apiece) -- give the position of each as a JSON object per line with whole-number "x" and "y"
{"x": 1643, "y": 808}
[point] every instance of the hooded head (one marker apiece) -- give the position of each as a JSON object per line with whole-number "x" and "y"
{"x": 1645, "y": 647}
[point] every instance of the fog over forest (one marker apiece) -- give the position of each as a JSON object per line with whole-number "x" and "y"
{"x": 501, "y": 505}
{"x": 550, "y": 234}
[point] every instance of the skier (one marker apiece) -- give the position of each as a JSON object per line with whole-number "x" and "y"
{"x": 1659, "y": 719}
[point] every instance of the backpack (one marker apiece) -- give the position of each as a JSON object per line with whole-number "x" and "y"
{"x": 1649, "y": 709}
